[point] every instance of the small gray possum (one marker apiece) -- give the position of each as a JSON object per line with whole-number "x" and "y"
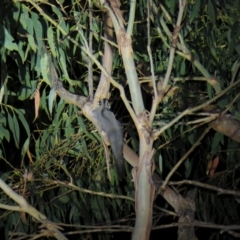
{"x": 110, "y": 127}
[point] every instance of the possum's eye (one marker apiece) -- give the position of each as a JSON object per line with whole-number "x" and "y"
{"x": 100, "y": 103}
{"x": 104, "y": 103}
{"x": 107, "y": 105}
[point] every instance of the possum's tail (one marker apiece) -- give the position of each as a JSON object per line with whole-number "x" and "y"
{"x": 117, "y": 149}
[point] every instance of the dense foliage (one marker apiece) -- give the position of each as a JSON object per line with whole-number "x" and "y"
{"x": 52, "y": 155}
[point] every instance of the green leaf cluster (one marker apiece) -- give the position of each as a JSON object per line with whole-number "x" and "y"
{"x": 63, "y": 150}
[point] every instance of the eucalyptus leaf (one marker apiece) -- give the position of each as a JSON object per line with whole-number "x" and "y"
{"x": 51, "y": 41}
{"x": 31, "y": 42}
{"x": 14, "y": 127}
{"x": 44, "y": 64}
{"x": 23, "y": 121}
{"x": 8, "y": 40}
{"x": 4, "y": 133}
{"x": 51, "y": 98}
{"x": 25, "y": 147}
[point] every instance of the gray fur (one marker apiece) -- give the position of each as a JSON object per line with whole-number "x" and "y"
{"x": 112, "y": 128}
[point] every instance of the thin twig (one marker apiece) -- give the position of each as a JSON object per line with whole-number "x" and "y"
{"x": 149, "y": 5}
{"x": 207, "y": 186}
{"x": 182, "y": 4}
{"x": 26, "y": 207}
{"x": 174, "y": 37}
{"x": 90, "y": 70}
{"x": 197, "y": 108}
{"x": 184, "y": 157}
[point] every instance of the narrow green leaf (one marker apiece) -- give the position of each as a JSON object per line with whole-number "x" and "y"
{"x": 85, "y": 148}
{"x": 218, "y": 138}
{"x": 195, "y": 10}
{"x": 26, "y": 55}
{"x": 81, "y": 124}
{"x": 64, "y": 199}
{"x": 51, "y": 98}
{"x": 45, "y": 68}
{"x": 36, "y": 63}
{"x": 1, "y": 91}
{"x": 191, "y": 137}
{"x": 17, "y": 11}
{"x": 69, "y": 131}
{"x": 50, "y": 37}
{"x": 20, "y": 50}
{"x": 57, "y": 11}
{"x": 183, "y": 67}
{"x": 8, "y": 40}
{"x": 234, "y": 66}
{"x": 188, "y": 168}
{"x": 24, "y": 93}
{"x": 30, "y": 27}
{"x": 25, "y": 147}
{"x": 23, "y": 121}
{"x": 160, "y": 163}
{"x": 59, "y": 111}
{"x": 14, "y": 128}
{"x": 37, "y": 150}
{"x": 209, "y": 91}
{"x": 4, "y": 133}
{"x": 24, "y": 17}
{"x": 211, "y": 12}
{"x": 57, "y": 129}
{"x": 3, "y": 118}
{"x": 63, "y": 63}
{"x": 82, "y": 127}
{"x": 38, "y": 29}
{"x": 43, "y": 102}
{"x": 61, "y": 23}
{"x": 31, "y": 42}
